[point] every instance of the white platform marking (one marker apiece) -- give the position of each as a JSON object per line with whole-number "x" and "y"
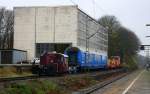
{"x": 127, "y": 89}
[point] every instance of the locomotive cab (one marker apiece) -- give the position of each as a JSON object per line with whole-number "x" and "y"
{"x": 114, "y": 62}
{"x": 52, "y": 63}
{"x": 73, "y": 59}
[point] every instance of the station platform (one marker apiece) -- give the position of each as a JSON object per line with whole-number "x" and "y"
{"x": 137, "y": 82}
{"x": 141, "y": 84}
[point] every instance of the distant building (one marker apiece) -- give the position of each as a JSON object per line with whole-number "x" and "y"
{"x": 40, "y": 29}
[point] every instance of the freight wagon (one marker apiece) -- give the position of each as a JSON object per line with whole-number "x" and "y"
{"x": 78, "y": 59}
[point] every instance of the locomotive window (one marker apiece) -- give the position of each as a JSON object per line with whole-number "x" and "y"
{"x": 62, "y": 59}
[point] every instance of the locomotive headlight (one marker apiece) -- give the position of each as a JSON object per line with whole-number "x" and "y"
{"x": 51, "y": 61}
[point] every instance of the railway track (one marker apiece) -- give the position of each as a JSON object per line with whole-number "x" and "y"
{"x": 4, "y": 82}
{"x": 7, "y": 79}
{"x": 100, "y": 85}
{"x": 92, "y": 74}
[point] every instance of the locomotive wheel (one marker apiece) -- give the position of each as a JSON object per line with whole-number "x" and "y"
{"x": 35, "y": 69}
{"x": 40, "y": 72}
{"x": 73, "y": 69}
{"x": 51, "y": 71}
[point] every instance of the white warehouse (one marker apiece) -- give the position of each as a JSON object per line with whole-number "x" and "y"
{"x": 39, "y": 29}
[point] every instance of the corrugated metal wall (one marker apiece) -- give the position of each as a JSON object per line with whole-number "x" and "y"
{"x": 19, "y": 56}
{"x": 12, "y": 56}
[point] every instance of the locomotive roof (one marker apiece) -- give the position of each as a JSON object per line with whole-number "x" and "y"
{"x": 57, "y": 54}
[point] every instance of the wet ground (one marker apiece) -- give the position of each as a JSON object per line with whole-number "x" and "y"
{"x": 135, "y": 83}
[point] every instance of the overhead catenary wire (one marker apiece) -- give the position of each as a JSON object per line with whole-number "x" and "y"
{"x": 93, "y": 1}
{"x": 73, "y": 2}
{"x": 95, "y": 6}
{"x": 99, "y": 7}
{"x": 79, "y": 6}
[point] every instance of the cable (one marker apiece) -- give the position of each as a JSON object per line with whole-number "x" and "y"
{"x": 73, "y": 2}
{"x": 100, "y": 7}
{"x": 93, "y": 7}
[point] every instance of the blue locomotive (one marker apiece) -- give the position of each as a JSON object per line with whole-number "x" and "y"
{"x": 78, "y": 59}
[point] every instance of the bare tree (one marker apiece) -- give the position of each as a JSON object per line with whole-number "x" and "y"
{"x": 1, "y": 26}
{"x": 6, "y": 28}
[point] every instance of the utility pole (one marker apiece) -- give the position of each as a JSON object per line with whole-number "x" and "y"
{"x": 35, "y": 48}
{"x": 88, "y": 37}
{"x": 87, "y": 34}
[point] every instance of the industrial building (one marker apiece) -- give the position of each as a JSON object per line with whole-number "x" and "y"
{"x": 41, "y": 29}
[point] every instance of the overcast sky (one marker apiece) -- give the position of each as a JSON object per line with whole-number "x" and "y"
{"x": 133, "y": 14}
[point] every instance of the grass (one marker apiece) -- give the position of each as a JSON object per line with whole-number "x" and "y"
{"x": 12, "y": 72}
{"x": 62, "y": 86}
{"x": 76, "y": 83}
{"x": 65, "y": 85}
{"x": 7, "y": 71}
{"x": 33, "y": 87}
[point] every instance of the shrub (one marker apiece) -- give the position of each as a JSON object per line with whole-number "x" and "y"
{"x": 33, "y": 87}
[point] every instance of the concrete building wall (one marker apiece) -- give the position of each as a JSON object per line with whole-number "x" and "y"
{"x": 24, "y": 30}
{"x": 66, "y": 25}
{"x": 88, "y": 26}
{"x": 44, "y": 25}
{"x": 56, "y": 24}
{"x": 62, "y": 24}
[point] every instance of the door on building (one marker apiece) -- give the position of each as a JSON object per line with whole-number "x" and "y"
{"x": 50, "y": 47}
{"x": 6, "y": 57}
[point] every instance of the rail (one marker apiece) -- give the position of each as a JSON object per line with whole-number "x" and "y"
{"x": 6, "y": 79}
{"x": 16, "y": 65}
{"x": 101, "y": 84}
